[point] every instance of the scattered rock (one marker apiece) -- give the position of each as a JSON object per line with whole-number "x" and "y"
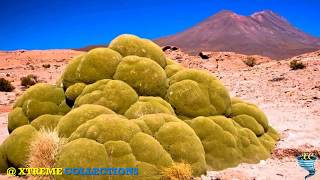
{"x": 172, "y": 48}
{"x": 46, "y": 65}
{"x": 204, "y": 55}
{"x": 275, "y": 79}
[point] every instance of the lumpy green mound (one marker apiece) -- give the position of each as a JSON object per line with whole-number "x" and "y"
{"x": 172, "y": 69}
{"x": 220, "y": 144}
{"x": 120, "y": 154}
{"x": 16, "y": 146}
{"x": 47, "y": 121}
{"x": 143, "y": 74}
{"x": 69, "y": 76}
{"x": 74, "y": 91}
{"x": 250, "y": 123}
{"x": 130, "y": 106}
{"x": 82, "y": 153}
{"x": 113, "y": 94}
{"x": 273, "y": 133}
{"x": 171, "y": 62}
{"x": 148, "y": 105}
{"x": 178, "y": 139}
{"x": 226, "y": 143}
{"x": 250, "y": 110}
{"x": 109, "y": 129}
{"x": 4, "y": 165}
{"x": 97, "y": 64}
{"x": 38, "y": 100}
{"x": 16, "y": 118}
{"x": 149, "y": 150}
{"x": 71, "y": 121}
{"x": 197, "y": 93}
{"x": 127, "y": 44}
{"x": 106, "y": 128}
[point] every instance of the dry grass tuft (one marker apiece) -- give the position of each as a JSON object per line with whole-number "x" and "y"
{"x": 295, "y": 64}
{"x": 29, "y": 80}
{"x": 250, "y": 61}
{"x": 179, "y": 171}
{"x": 44, "y": 151}
{"x": 6, "y": 85}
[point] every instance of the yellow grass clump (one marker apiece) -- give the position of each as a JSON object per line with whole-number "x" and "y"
{"x": 179, "y": 171}
{"x": 43, "y": 152}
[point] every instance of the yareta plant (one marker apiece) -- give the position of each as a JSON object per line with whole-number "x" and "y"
{"x": 129, "y": 106}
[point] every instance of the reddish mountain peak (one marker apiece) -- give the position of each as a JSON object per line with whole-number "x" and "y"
{"x": 268, "y": 15}
{"x": 265, "y": 13}
{"x": 224, "y": 14}
{"x": 264, "y": 33}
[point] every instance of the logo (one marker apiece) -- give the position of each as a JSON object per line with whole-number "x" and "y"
{"x": 306, "y": 161}
{"x": 72, "y": 171}
{"x": 11, "y": 171}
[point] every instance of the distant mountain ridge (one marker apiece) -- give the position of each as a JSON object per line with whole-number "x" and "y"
{"x": 263, "y": 33}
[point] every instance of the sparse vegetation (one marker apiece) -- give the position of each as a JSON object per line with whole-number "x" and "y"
{"x": 29, "y": 80}
{"x": 5, "y": 85}
{"x": 179, "y": 171}
{"x": 296, "y": 64}
{"x": 250, "y": 61}
{"x": 46, "y": 66}
{"x": 44, "y": 150}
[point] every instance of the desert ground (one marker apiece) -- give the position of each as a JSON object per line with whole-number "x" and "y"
{"x": 290, "y": 99}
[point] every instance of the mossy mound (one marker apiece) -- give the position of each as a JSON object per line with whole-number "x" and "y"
{"x": 128, "y": 106}
{"x": 83, "y": 153}
{"x": 172, "y": 69}
{"x": 252, "y": 114}
{"x": 46, "y": 121}
{"x": 231, "y": 144}
{"x": 250, "y": 123}
{"x": 197, "y": 93}
{"x": 106, "y": 128}
{"x": 178, "y": 139}
{"x": 4, "y": 165}
{"x": 74, "y": 91}
{"x": 97, "y": 64}
{"x": 113, "y": 94}
{"x": 148, "y": 105}
{"x": 38, "y": 100}
{"x": 69, "y": 76}
{"x": 71, "y": 121}
{"x": 127, "y": 44}
{"x": 143, "y": 74}
{"x": 16, "y": 146}
{"x": 115, "y": 131}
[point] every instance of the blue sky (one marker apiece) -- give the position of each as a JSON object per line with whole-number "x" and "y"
{"x": 53, "y": 24}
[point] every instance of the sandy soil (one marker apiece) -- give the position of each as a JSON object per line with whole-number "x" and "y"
{"x": 17, "y": 64}
{"x": 290, "y": 98}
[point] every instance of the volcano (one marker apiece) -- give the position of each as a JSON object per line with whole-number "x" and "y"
{"x": 263, "y": 33}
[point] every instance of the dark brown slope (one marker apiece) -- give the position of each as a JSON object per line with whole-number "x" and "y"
{"x": 88, "y": 48}
{"x": 264, "y": 33}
